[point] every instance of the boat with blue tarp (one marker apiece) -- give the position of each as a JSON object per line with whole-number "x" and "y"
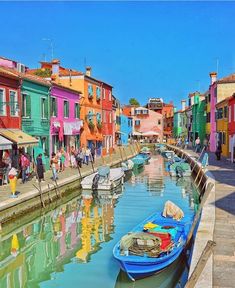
{"x": 154, "y": 244}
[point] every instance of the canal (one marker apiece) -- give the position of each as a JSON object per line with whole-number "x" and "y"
{"x": 71, "y": 245}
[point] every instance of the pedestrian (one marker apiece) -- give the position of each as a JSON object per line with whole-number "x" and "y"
{"x": 8, "y": 162}
{"x": 54, "y": 165}
{"x": 93, "y": 152}
{"x": 186, "y": 143}
{"x": 84, "y": 153}
{"x": 24, "y": 164}
{"x": 205, "y": 144}
{"x": 72, "y": 157}
{"x": 79, "y": 158}
{"x": 218, "y": 150}
{"x": 198, "y": 145}
{"x": 62, "y": 159}
{"x": 40, "y": 168}
{"x": 87, "y": 154}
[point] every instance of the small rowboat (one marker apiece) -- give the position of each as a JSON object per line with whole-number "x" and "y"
{"x": 162, "y": 254}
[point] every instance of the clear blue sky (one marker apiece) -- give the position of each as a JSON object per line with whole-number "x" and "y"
{"x": 144, "y": 49}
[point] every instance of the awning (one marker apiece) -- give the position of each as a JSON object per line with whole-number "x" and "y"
{"x": 5, "y": 144}
{"x": 119, "y": 132}
{"x": 136, "y": 133}
{"x": 19, "y": 137}
{"x": 150, "y": 133}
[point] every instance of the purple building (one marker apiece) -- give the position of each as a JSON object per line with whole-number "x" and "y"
{"x": 65, "y": 123}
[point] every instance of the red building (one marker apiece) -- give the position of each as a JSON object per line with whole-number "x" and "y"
{"x": 231, "y": 126}
{"x": 107, "y": 118}
{"x": 9, "y": 99}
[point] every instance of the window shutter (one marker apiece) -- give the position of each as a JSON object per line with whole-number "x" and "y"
{"x": 56, "y": 109}
{"x": 1, "y": 102}
{"x": 64, "y": 109}
{"x": 46, "y": 108}
{"x": 28, "y": 106}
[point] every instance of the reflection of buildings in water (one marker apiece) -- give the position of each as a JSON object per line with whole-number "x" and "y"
{"x": 97, "y": 225}
{"x": 42, "y": 245}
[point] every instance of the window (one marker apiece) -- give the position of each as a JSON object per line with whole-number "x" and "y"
{"x": 76, "y": 110}
{"x": 2, "y": 104}
{"x": 44, "y": 108}
{"x": 229, "y": 114}
{"x": 26, "y": 106}
{"x": 104, "y": 117}
{"x": 159, "y": 122}
{"x": 90, "y": 91}
{"x": 66, "y": 109}
{"x": 110, "y": 96}
{"x": 53, "y": 107}
{"x": 103, "y": 93}
{"x": 97, "y": 93}
{"x": 208, "y": 117}
{"x": 225, "y": 112}
{"x": 137, "y": 122}
{"x": 220, "y": 113}
{"x": 13, "y": 103}
{"x": 110, "y": 117}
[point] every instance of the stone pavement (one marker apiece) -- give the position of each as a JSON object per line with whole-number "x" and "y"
{"x": 223, "y": 172}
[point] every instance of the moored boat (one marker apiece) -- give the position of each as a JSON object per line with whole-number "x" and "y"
{"x": 180, "y": 169}
{"x": 104, "y": 179}
{"x": 138, "y": 162}
{"x": 141, "y": 254}
{"x": 168, "y": 154}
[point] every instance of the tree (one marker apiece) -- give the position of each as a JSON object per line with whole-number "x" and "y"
{"x": 133, "y": 101}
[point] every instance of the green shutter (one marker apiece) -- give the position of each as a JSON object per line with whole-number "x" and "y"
{"x": 46, "y": 108}
{"x": 51, "y": 106}
{"x": 28, "y": 106}
{"x": 64, "y": 109}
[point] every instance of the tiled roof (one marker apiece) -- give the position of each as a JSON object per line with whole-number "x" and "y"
{"x": 228, "y": 79}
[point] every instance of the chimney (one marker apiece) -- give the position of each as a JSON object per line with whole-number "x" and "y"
{"x": 88, "y": 71}
{"x": 183, "y": 104}
{"x": 213, "y": 76}
{"x": 55, "y": 66}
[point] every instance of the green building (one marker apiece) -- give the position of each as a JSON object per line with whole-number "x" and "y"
{"x": 198, "y": 117}
{"x": 35, "y": 114}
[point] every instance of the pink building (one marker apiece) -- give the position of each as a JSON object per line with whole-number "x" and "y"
{"x": 65, "y": 123}
{"x": 147, "y": 123}
{"x": 212, "y": 92}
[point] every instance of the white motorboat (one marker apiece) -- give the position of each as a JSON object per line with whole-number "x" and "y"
{"x": 104, "y": 179}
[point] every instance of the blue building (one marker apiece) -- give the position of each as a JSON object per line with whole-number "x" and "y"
{"x": 126, "y": 129}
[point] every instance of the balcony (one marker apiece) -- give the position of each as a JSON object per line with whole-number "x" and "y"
{"x": 27, "y": 121}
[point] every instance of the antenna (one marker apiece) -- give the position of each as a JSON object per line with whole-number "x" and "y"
{"x": 51, "y": 46}
{"x": 85, "y": 62}
{"x": 217, "y": 66}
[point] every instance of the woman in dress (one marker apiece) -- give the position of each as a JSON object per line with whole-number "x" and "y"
{"x": 40, "y": 168}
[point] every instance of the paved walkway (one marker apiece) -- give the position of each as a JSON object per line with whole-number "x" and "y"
{"x": 224, "y": 230}
{"x": 28, "y": 190}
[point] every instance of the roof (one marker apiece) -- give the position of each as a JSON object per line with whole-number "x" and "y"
{"x": 228, "y": 79}
{"x": 223, "y": 101}
{"x": 65, "y": 88}
{"x": 8, "y": 72}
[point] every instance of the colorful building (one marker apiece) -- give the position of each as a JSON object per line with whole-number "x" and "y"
{"x": 198, "y": 117}
{"x": 125, "y": 129}
{"x": 222, "y": 125}
{"x": 218, "y": 90}
{"x": 148, "y": 123}
{"x": 177, "y": 129}
{"x": 107, "y": 118}
{"x": 231, "y": 126}
{"x": 117, "y": 120}
{"x": 35, "y": 114}
{"x": 65, "y": 123}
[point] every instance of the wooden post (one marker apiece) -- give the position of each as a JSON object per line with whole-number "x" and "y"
{"x": 125, "y": 153}
{"x": 39, "y": 184}
{"x": 200, "y": 169}
{"x": 208, "y": 250}
{"x": 120, "y": 152}
{"x": 92, "y": 164}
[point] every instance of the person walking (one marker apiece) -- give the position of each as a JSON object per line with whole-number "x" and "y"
{"x": 205, "y": 144}
{"x": 8, "y": 162}
{"x": 87, "y": 154}
{"x": 84, "y": 153}
{"x": 54, "y": 165}
{"x": 93, "y": 152}
{"x": 24, "y": 164}
{"x": 62, "y": 159}
{"x": 40, "y": 168}
{"x": 72, "y": 157}
{"x": 218, "y": 150}
{"x": 198, "y": 145}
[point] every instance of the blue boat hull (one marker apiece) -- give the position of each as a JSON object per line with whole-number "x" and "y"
{"x": 138, "y": 267}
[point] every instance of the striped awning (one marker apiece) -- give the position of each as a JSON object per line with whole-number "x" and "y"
{"x": 5, "y": 144}
{"x": 19, "y": 137}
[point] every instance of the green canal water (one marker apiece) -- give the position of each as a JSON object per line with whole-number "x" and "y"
{"x": 71, "y": 246}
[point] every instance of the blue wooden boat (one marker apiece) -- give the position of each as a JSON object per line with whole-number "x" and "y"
{"x": 145, "y": 156}
{"x": 137, "y": 266}
{"x": 138, "y": 162}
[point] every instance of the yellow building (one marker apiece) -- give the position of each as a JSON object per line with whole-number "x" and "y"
{"x": 222, "y": 125}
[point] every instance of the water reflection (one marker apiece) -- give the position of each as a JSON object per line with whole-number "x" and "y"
{"x": 76, "y": 239}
